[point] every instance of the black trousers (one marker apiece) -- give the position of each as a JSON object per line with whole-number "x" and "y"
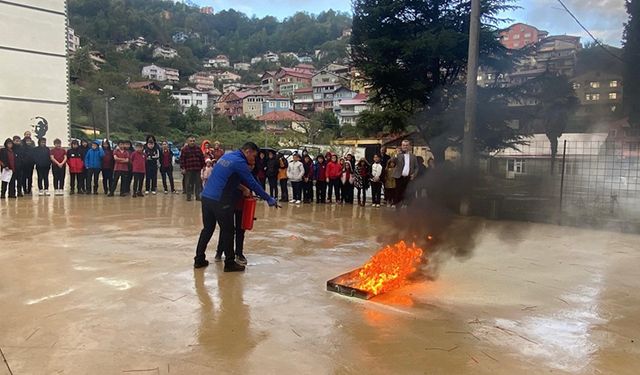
{"x": 222, "y": 214}
{"x": 107, "y": 180}
{"x": 17, "y": 173}
{"x": 363, "y": 192}
{"x": 263, "y": 182}
{"x": 126, "y": 180}
{"x": 335, "y": 185}
{"x": 284, "y": 190}
{"x": 122, "y": 177}
{"x": 321, "y": 191}
{"x": 27, "y": 178}
{"x": 401, "y": 188}
{"x": 76, "y": 178}
{"x": 347, "y": 193}
{"x": 43, "y": 177}
{"x": 296, "y": 186}
{"x": 84, "y": 183}
{"x": 138, "y": 177}
{"x": 239, "y": 234}
{"x": 376, "y": 192}
{"x": 273, "y": 186}
{"x": 151, "y": 183}
{"x": 167, "y": 172}
{"x": 10, "y": 186}
{"x": 92, "y": 177}
{"x": 58, "y": 176}
{"x": 307, "y": 191}
{"x": 194, "y": 184}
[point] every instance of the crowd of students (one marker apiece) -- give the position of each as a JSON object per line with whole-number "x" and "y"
{"x": 133, "y": 170}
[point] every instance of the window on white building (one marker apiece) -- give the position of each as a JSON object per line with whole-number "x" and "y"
{"x": 594, "y": 84}
{"x": 613, "y": 95}
{"x": 613, "y": 84}
{"x": 592, "y": 97}
{"x": 185, "y": 101}
{"x": 198, "y": 102}
{"x": 516, "y": 166}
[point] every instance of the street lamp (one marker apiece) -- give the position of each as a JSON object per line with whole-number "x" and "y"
{"x": 107, "y": 99}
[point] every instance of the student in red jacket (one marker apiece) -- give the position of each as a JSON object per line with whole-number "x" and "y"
{"x": 58, "y": 166}
{"x": 138, "y": 167}
{"x": 334, "y": 171}
{"x": 76, "y": 167}
{"x": 120, "y": 169}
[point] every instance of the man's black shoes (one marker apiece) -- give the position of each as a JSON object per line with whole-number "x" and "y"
{"x": 240, "y": 259}
{"x": 200, "y": 264}
{"x": 233, "y": 267}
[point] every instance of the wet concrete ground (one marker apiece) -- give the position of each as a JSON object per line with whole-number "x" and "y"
{"x": 90, "y": 285}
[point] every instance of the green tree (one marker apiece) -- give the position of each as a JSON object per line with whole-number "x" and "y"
{"x": 631, "y": 62}
{"x": 556, "y": 102}
{"x": 80, "y": 65}
{"x": 414, "y": 55}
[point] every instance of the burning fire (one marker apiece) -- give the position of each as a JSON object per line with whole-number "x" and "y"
{"x": 388, "y": 269}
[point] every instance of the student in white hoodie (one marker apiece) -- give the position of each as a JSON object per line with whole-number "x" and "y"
{"x": 376, "y": 180}
{"x": 295, "y": 173}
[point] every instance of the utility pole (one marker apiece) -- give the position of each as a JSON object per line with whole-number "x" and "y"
{"x": 470, "y": 108}
{"x": 106, "y": 115}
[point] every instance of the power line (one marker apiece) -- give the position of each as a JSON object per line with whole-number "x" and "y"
{"x": 589, "y": 32}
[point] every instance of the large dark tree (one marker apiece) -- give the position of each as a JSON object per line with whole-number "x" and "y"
{"x": 414, "y": 55}
{"x": 556, "y": 102}
{"x": 631, "y": 62}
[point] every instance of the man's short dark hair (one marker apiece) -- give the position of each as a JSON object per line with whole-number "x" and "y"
{"x": 250, "y": 146}
{"x": 42, "y": 139}
{"x": 57, "y": 140}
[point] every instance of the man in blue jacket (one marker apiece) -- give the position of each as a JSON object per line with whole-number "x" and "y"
{"x": 219, "y": 199}
{"x": 93, "y": 164}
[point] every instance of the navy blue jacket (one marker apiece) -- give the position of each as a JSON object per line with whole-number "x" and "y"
{"x": 230, "y": 171}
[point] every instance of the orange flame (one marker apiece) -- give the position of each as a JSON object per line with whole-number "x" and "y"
{"x": 388, "y": 269}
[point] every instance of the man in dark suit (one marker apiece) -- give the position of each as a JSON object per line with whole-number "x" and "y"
{"x": 406, "y": 169}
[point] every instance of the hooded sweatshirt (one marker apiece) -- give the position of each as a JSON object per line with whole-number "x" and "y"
{"x": 93, "y": 158}
{"x": 42, "y": 156}
{"x": 295, "y": 171}
{"x": 334, "y": 170}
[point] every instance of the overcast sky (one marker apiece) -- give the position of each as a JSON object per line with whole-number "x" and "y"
{"x": 604, "y": 18}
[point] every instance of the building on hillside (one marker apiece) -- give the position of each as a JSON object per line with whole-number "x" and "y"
{"x": 303, "y": 100}
{"x": 600, "y": 94}
{"x": 213, "y": 96}
{"x": 324, "y": 77}
{"x": 305, "y": 68}
{"x": 346, "y": 33}
{"x": 206, "y": 10}
{"x": 358, "y": 83}
{"x": 305, "y": 59}
{"x": 230, "y": 104}
{"x": 279, "y": 121}
{"x": 188, "y": 97}
{"x": 158, "y": 73}
{"x": 520, "y": 35}
{"x": 290, "y": 55}
{"x": 289, "y": 76}
{"x": 338, "y": 69}
{"x": 180, "y": 37}
{"x": 327, "y": 96}
{"x": 349, "y": 109}
{"x": 268, "y": 81}
{"x": 220, "y": 61}
{"x": 252, "y": 103}
{"x": 241, "y": 66}
{"x": 288, "y": 89}
{"x": 230, "y": 87}
{"x": 203, "y": 81}
{"x": 164, "y": 52}
{"x": 149, "y": 87}
{"x": 275, "y": 103}
{"x": 556, "y": 54}
{"x": 226, "y": 76}
{"x": 73, "y": 41}
{"x": 271, "y": 57}
{"x": 97, "y": 59}
{"x": 255, "y": 60}
{"x": 132, "y": 44}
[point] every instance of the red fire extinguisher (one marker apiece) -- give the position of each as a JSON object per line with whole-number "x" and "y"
{"x": 248, "y": 212}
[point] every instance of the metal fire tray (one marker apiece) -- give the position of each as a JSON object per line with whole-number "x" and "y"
{"x": 335, "y": 286}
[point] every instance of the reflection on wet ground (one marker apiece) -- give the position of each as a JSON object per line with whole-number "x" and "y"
{"x": 90, "y": 285}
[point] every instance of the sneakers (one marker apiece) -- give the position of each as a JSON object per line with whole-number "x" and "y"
{"x": 298, "y": 202}
{"x": 41, "y": 193}
{"x": 110, "y": 195}
{"x": 166, "y": 192}
{"x": 201, "y": 264}
{"x": 292, "y": 201}
{"x": 218, "y": 258}
{"x": 146, "y": 192}
{"x": 240, "y": 259}
{"x": 233, "y": 267}
{"x": 154, "y": 192}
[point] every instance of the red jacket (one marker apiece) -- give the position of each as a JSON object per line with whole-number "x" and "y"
{"x": 334, "y": 170}
{"x": 138, "y": 162}
{"x": 121, "y": 166}
{"x": 74, "y": 159}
